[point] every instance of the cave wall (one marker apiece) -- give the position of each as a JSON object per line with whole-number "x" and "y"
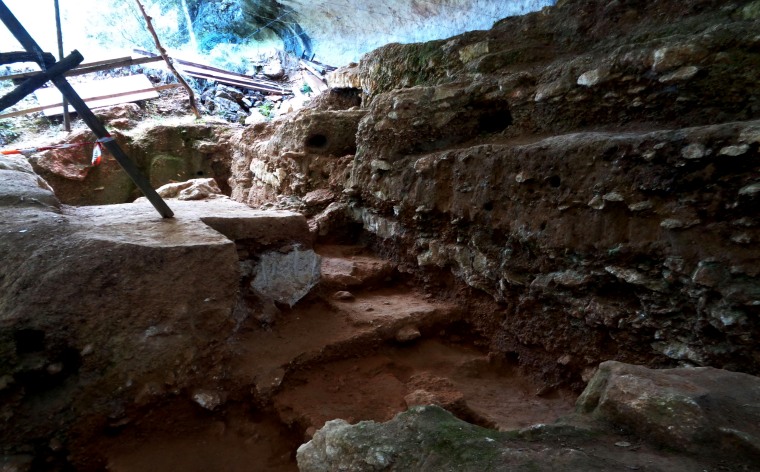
{"x": 590, "y": 173}
{"x": 340, "y": 31}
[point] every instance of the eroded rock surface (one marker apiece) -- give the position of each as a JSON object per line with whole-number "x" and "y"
{"x": 165, "y": 153}
{"x": 710, "y": 413}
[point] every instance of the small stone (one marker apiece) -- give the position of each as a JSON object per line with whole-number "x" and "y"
{"x": 565, "y": 360}
{"x": 750, "y": 190}
{"x": 672, "y": 223}
{"x": 318, "y": 197}
{"x": 597, "y": 203}
{"x": 734, "y": 151}
{"x": 87, "y": 350}
{"x": 208, "y": 399}
{"x": 623, "y": 444}
{"x": 613, "y": 197}
{"x": 710, "y": 274}
{"x": 408, "y": 333}
{"x": 684, "y": 73}
{"x": 744, "y": 222}
{"x": 641, "y": 206}
{"x": 592, "y": 77}
{"x": 343, "y": 295}
{"x": 379, "y": 164}
{"x": 741, "y": 238}
{"x": 55, "y": 445}
{"x": 670, "y": 57}
{"x": 522, "y": 177}
{"x": 55, "y": 368}
{"x": 750, "y": 135}
{"x": 693, "y": 151}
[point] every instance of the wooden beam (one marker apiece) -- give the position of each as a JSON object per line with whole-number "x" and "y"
{"x": 59, "y": 34}
{"x": 91, "y": 67}
{"x": 85, "y": 113}
{"x": 238, "y": 83}
{"x": 311, "y": 67}
{"x": 91, "y": 99}
{"x": 187, "y": 65}
{"x": 18, "y": 56}
{"x": 33, "y": 83}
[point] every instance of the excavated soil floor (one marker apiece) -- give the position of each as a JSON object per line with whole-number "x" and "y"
{"x": 364, "y": 357}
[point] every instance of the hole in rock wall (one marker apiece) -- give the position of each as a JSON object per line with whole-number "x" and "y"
{"x": 29, "y": 340}
{"x": 316, "y": 141}
{"x": 42, "y": 376}
{"x": 494, "y": 120}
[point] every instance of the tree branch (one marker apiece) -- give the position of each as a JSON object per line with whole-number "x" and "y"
{"x": 168, "y": 61}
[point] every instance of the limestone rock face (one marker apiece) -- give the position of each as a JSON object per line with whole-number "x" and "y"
{"x": 700, "y": 410}
{"x": 593, "y": 170}
{"x": 308, "y": 152}
{"x": 21, "y": 186}
{"x": 111, "y": 307}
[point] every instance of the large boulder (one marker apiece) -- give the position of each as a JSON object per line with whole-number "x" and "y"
{"x": 428, "y": 438}
{"x": 700, "y": 410}
{"x": 628, "y": 418}
{"x": 105, "y": 309}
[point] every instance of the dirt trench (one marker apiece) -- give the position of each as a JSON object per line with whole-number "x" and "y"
{"x": 365, "y": 345}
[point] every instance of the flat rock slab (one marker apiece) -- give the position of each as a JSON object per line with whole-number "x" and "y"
{"x": 195, "y": 222}
{"x": 109, "y": 300}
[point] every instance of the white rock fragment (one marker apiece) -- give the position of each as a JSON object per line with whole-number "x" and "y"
{"x": 522, "y": 177}
{"x": 641, "y": 206}
{"x": 750, "y": 190}
{"x": 693, "y": 151}
{"x": 734, "y": 151}
{"x": 597, "y": 203}
{"x": 684, "y": 73}
{"x": 379, "y": 164}
{"x": 286, "y": 278}
{"x": 741, "y": 238}
{"x": 613, "y": 197}
{"x": 592, "y": 77}
{"x": 672, "y": 223}
{"x": 750, "y": 135}
{"x": 207, "y": 399}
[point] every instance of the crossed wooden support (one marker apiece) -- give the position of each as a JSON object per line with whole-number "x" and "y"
{"x": 53, "y": 71}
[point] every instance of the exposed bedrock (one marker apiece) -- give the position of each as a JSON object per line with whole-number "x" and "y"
{"x": 106, "y": 309}
{"x": 592, "y": 171}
